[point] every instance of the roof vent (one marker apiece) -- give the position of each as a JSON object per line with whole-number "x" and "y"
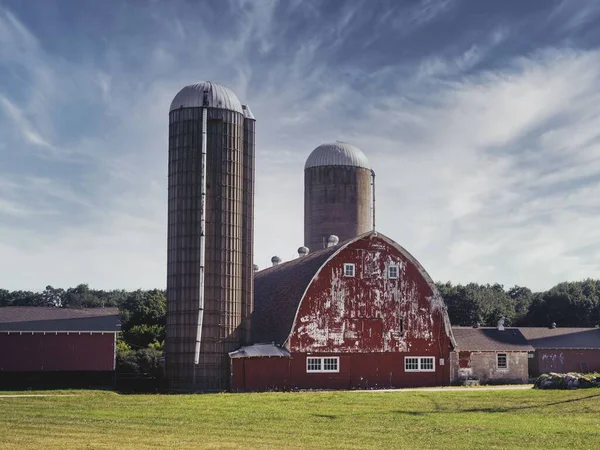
{"x": 553, "y": 325}
{"x": 302, "y": 251}
{"x": 255, "y": 267}
{"x": 501, "y": 324}
{"x": 476, "y": 325}
{"x": 275, "y": 260}
{"x": 332, "y": 240}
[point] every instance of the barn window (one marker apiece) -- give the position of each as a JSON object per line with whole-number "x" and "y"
{"x": 502, "y": 361}
{"x": 411, "y": 364}
{"x": 426, "y": 364}
{"x": 419, "y": 364}
{"x": 313, "y": 364}
{"x": 328, "y": 364}
{"x": 393, "y": 272}
{"x": 348, "y": 269}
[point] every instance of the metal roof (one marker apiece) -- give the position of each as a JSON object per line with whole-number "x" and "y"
{"x": 218, "y": 97}
{"x": 260, "y": 350}
{"x": 490, "y": 339}
{"x": 337, "y": 154}
{"x": 31, "y": 318}
{"x": 580, "y": 338}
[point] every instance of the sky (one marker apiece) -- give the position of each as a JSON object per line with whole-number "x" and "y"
{"x": 480, "y": 119}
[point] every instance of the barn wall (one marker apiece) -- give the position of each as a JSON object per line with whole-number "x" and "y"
{"x": 357, "y": 371}
{"x": 565, "y": 360}
{"x": 482, "y": 366}
{"x": 369, "y": 312}
{"x": 366, "y": 371}
{"x": 40, "y": 352}
{"x": 260, "y": 374}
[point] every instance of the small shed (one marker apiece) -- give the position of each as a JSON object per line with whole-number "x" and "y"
{"x": 563, "y": 349}
{"x": 58, "y": 346}
{"x": 490, "y": 355}
{"x": 260, "y": 367}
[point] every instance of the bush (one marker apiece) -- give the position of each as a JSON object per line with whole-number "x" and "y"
{"x": 569, "y": 380}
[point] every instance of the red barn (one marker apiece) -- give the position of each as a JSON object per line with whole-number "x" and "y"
{"x": 57, "y": 346}
{"x": 563, "y": 349}
{"x": 363, "y": 314}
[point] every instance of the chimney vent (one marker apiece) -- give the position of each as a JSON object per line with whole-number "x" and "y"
{"x": 332, "y": 240}
{"x": 275, "y": 260}
{"x": 553, "y": 325}
{"x": 303, "y": 251}
{"x": 255, "y": 267}
{"x": 476, "y": 325}
{"x": 501, "y": 324}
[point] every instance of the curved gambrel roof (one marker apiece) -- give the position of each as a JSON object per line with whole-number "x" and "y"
{"x": 279, "y": 291}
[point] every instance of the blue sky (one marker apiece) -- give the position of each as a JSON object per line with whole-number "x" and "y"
{"x": 481, "y": 120}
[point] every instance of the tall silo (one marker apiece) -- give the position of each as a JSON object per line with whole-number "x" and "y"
{"x": 339, "y": 194}
{"x": 210, "y": 233}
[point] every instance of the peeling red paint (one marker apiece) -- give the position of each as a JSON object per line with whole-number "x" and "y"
{"x": 364, "y": 313}
{"x": 370, "y": 321}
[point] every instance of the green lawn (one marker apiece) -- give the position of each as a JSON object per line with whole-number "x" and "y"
{"x": 447, "y": 420}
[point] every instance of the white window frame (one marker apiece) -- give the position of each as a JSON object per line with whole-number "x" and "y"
{"x": 321, "y": 360}
{"x": 393, "y": 266}
{"x": 420, "y": 363}
{"x": 348, "y": 266}
{"x": 498, "y": 362}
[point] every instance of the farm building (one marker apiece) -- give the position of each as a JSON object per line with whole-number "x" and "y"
{"x": 563, "y": 349}
{"x": 489, "y": 355}
{"x": 361, "y": 314}
{"x": 56, "y": 346}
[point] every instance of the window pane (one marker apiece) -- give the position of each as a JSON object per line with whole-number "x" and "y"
{"x": 411, "y": 364}
{"x": 348, "y": 270}
{"x": 427, "y": 364}
{"x": 330, "y": 364}
{"x": 313, "y": 364}
{"x": 393, "y": 272}
{"x": 502, "y": 361}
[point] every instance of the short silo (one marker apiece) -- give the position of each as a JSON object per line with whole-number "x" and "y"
{"x": 210, "y": 232}
{"x": 338, "y": 194}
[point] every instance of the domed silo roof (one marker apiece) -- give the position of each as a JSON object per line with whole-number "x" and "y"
{"x": 337, "y": 154}
{"x": 218, "y": 97}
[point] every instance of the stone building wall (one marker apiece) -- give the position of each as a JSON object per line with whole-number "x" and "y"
{"x": 482, "y": 365}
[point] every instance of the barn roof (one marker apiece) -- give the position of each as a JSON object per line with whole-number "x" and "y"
{"x": 580, "y": 338}
{"x": 278, "y": 291}
{"x": 490, "y": 339}
{"x": 260, "y": 350}
{"x": 31, "y": 318}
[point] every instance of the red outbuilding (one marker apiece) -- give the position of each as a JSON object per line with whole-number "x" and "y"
{"x": 563, "y": 350}
{"x": 57, "y": 346}
{"x": 359, "y": 315}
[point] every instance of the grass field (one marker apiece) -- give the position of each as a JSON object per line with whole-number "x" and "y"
{"x": 450, "y": 420}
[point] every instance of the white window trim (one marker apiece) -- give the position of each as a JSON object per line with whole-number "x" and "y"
{"x": 390, "y": 272}
{"x": 323, "y": 358}
{"x": 419, "y": 358}
{"x": 353, "y": 269}
{"x": 497, "y": 365}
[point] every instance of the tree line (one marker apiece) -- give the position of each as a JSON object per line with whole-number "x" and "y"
{"x": 568, "y": 304}
{"x": 143, "y": 312}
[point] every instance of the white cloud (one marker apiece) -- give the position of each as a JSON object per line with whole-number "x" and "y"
{"x": 484, "y": 175}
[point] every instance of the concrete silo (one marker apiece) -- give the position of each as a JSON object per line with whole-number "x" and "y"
{"x": 210, "y": 233}
{"x": 339, "y": 194}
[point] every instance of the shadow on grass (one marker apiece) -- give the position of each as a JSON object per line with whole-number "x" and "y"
{"x": 494, "y": 410}
{"x": 325, "y": 416}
